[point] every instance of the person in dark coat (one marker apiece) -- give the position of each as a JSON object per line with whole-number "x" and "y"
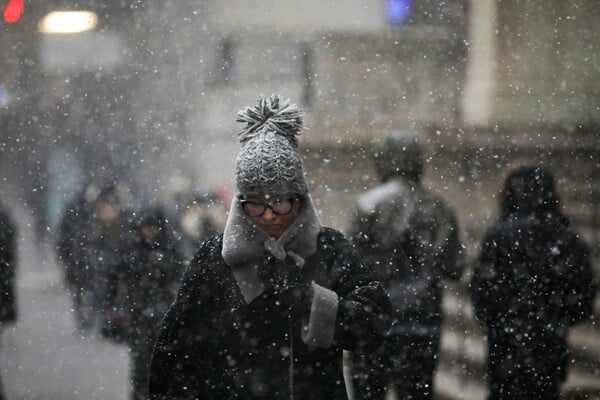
{"x": 106, "y": 244}
{"x": 265, "y": 310}
{"x": 409, "y": 238}
{"x": 73, "y": 254}
{"x": 532, "y": 281}
{"x": 8, "y": 257}
{"x": 144, "y": 289}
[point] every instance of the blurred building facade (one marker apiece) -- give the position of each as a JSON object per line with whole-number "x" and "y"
{"x": 484, "y": 82}
{"x": 153, "y": 91}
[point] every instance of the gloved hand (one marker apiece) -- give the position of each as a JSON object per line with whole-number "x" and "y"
{"x": 274, "y": 273}
{"x": 272, "y": 309}
{"x": 297, "y": 297}
{"x": 286, "y": 288}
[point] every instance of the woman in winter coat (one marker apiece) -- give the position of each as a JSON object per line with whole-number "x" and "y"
{"x": 533, "y": 280}
{"x": 265, "y": 310}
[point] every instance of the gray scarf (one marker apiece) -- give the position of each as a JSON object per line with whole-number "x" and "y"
{"x": 245, "y": 245}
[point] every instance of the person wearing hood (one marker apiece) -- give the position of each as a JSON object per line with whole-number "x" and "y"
{"x": 266, "y": 309}
{"x": 409, "y": 238}
{"x": 532, "y": 281}
{"x": 72, "y": 252}
{"x": 143, "y": 289}
{"x": 103, "y": 242}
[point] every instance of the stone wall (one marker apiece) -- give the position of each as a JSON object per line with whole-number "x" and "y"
{"x": 547, "y": 62}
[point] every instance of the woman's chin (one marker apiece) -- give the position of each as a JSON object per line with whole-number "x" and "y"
{"x": 274, "y": 232}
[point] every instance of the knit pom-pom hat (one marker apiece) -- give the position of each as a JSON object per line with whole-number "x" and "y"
{"x": 268, "y": 161}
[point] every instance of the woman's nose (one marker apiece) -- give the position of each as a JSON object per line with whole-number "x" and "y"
{"x": 269, "y": 215}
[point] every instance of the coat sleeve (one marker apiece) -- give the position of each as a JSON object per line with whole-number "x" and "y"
{"x": 360, "y": 231}
{"x": 363, "y": 307}
{"x": 578, "y": 284}
{"x": 180, "y": 362}
{"x": 365, "y": 239}
{"x": 448, "y": 249}
{"x": 7, "y": 269}
{"x": 484, "y": 282}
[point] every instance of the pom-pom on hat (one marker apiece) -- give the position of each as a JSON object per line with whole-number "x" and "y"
{"x": 268, "y": 162}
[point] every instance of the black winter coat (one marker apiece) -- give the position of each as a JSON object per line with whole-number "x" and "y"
{"x": 71, "y": 244}
{"x": 8, "y": 251}
{"x": 146, "y": 285}
{"x": 409, "y": 238}
{"x": 532, "y": 281}
{"x": 213, "y": 345}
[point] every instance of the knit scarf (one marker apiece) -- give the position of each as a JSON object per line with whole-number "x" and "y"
{"x": 245, "y": 245}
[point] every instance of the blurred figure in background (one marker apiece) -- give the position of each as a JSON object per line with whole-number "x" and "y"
{"x": 409, "y": 239}
{"x": 8, "y": 256}
{"x": 105, "y": 243}
{"x": 72, "y": 253}
{"x": 202, "y": 218}
{"x": 532, "y": 281}
{"x": 143, "y": 289}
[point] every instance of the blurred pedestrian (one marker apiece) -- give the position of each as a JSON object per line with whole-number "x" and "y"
{"x": 105, "y": 243}
{"x": 72, "y": 252}
{"x": 265, "y": 310}
{"x": 409, "y": 239}
{"x": 532, "y": 281}
{"x": 201, "y": 219}
{"x": 144, "y": 289}
{"x": 8, "y": 258}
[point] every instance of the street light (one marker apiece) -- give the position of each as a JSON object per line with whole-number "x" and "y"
{"x": 398, "y": 11}
{"x": 68, "y": 22}
{"x": 13, "y": 11}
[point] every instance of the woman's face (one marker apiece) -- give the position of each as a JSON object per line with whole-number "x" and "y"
{"x": 107, "y": 212}
{"x": 272, "y": 223}
{"x": 149, "y": 233}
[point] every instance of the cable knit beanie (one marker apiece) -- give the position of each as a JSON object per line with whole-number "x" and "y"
{"x": 268, "y": 162}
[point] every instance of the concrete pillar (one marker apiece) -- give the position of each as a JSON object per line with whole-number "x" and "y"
{"x": 478, "y": 98}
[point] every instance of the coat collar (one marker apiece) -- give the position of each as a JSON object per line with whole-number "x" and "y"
{"x": 245, "y": 245}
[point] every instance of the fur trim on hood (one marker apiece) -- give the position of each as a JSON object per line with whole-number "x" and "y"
{"x": 245, "y": 245}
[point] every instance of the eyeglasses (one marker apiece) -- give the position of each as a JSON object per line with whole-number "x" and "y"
{"x": 279, "y": 206}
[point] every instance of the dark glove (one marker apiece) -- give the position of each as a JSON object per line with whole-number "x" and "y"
{"x": 273, "y": 273}
{"x": 297, "y": 297}
{"x": 285, "y": 286}
{"x": 287, "y": 299}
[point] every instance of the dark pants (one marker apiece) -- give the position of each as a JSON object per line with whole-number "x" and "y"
{"x": 1, "y": 386}
{"x": 527, "y": 367}
{"x": 526, "y": 374}
{"x": 405, "y": 364}
{"x": 141, "y": 357}
{"x": 539, "y": 386}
